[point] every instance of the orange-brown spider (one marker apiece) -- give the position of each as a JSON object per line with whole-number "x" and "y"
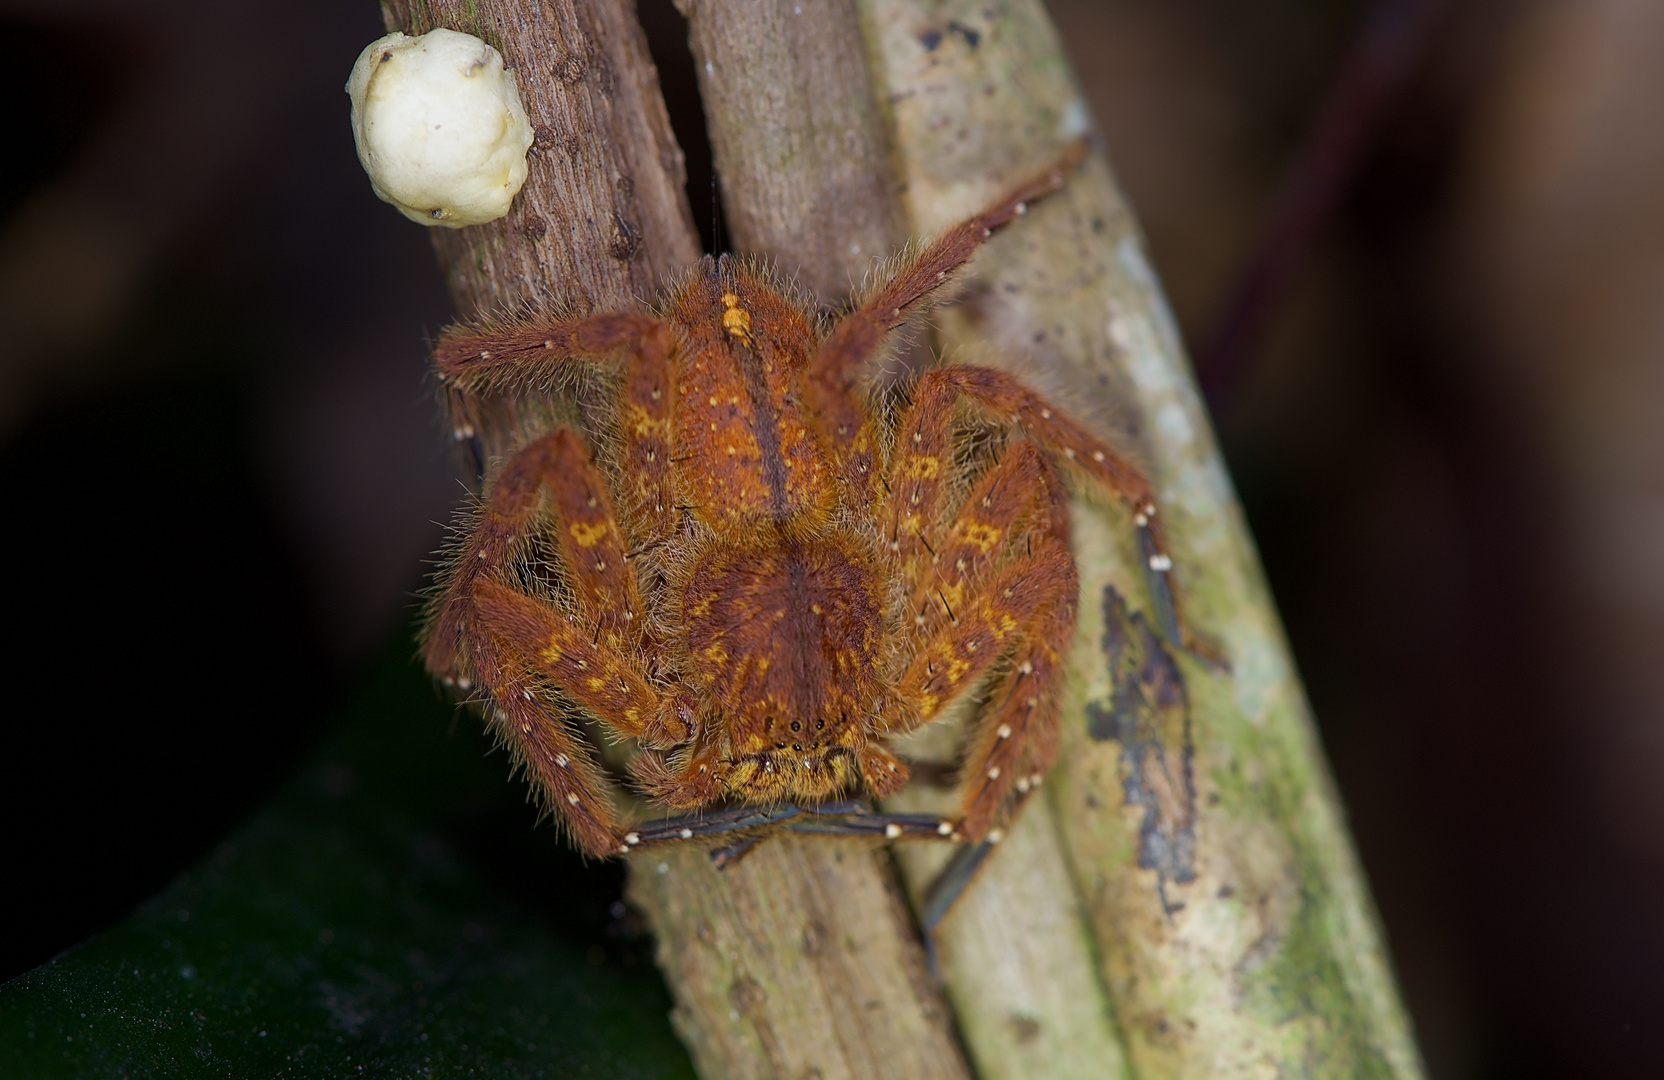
{"x": 769, "y": 575}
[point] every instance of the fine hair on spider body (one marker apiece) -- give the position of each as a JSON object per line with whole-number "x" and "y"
{"x": 760, "y": 573}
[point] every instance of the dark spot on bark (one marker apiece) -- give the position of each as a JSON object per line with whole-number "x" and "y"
{"x": 605, "y": 81}
{"x": 573, "y": 146}
{"x": 534, "y": 228}
{"x": 1225, "y": 892}
{"x": 972, "y": 38}
{"x": 814, "y": 938}
{"x": 544, "y": 137}
{"x": 1148, "y": 713}
{"x": 626, "y": 238}
{"x": 626, "y": 187}
{"x": 746, "y": 994}
{"x": 930, "y": 39}
{"x": 1026, "y": 1028}
{"x": 571, "y": 67}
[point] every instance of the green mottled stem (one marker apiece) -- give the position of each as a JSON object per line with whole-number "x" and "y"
{"x": 1233, "y": 929}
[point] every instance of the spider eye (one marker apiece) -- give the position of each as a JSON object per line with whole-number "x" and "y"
{"x": 796, "y": 726}
{"x": 819, "y": 724}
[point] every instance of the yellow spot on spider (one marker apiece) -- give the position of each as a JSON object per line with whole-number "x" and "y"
{"x": 594, "y": 683}
{"x": 716, "y": 654}
{"x": 736, "y": 320}
{"x": 920, "y": 467}
{"x": 983, "y": 536}
{"x": 586, "y": 536}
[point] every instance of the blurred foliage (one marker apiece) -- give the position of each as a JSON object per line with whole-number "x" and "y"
{"x": 392, "y": 912}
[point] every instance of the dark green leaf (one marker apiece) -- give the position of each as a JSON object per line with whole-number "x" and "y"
{"x": 393, "y": 913}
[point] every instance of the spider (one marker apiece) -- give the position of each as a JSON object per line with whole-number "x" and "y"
{"x": 769, "y": 570}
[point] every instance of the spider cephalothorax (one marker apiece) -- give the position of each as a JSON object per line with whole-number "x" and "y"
{"x": 767, "y": 575}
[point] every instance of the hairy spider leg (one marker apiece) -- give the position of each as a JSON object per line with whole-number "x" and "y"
{"x": 561, "y": 766}
{"x": 519, "y": 646}
{"x": 998, "y": 585}
{"x": 534, "y": 354}
{"x": 833, "y": 379}
{"x": 1003, "y": 395}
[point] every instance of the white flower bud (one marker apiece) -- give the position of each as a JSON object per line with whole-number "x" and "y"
{"x": 439, "y": 127}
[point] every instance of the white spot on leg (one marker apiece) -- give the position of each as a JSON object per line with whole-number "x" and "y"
{"x": 1160, "y": 563}
{"x": 994, "y": 773}
{"x": 562, "y": 760}
{"x": 573, "y": 799}
{"x": 686, "y": 834}
{"x": 944, "y": 828}
{"x": 632, "y": 838}
{"x": 1025, "y": 668}
{"x": 1004, "y": 732}
{"x": 996, "y": 835}
{"x": 892, "y": 830}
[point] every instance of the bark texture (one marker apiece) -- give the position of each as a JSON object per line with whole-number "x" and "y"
{"x": 797, "y": 136}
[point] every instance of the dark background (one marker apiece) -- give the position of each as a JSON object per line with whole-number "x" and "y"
{"x": 1416, "y": 247}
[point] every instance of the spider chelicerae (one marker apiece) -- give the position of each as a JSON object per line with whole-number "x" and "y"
{"x": 765, "y": 570}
